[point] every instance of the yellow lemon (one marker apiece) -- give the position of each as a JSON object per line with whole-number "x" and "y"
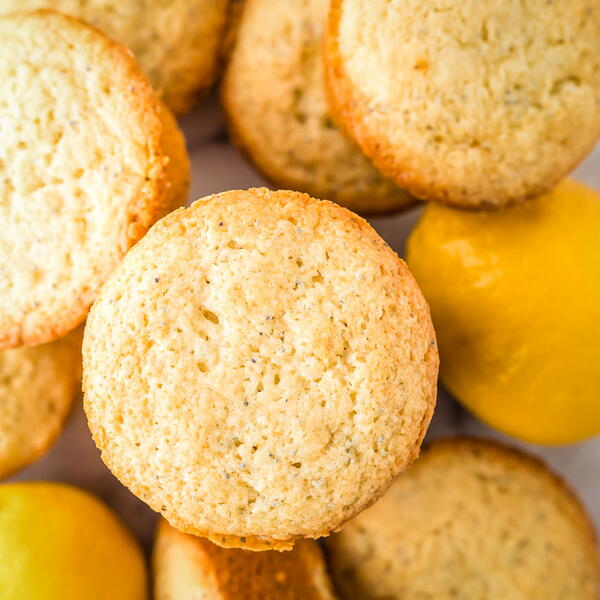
{"x": 60, "y": 543}
{"x": 515, "y": 299}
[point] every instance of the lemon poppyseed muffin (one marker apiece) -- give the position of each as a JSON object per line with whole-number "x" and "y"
{"x": 259, "y": 368}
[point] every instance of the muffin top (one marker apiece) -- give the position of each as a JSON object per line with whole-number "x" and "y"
{"x": 81, "y": 165}
{"x": 274, "y": 94}
{"x": 259, "y": 367}
{"x": 470, "y": 519}
{"x": 476, "y": 104}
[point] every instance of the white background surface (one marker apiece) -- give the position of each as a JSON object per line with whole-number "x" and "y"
{"x": 217, "y": 166}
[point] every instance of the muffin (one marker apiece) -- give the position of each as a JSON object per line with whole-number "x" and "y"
{"x": 37, "y": 389}
{"x": 84, "y": 169}
{"x": 274, "y": 95}
{"x": 259, "y": 368}
{"x": 188, "y": 567}
{"x": 471, "y": 519}
{"x": 176, "y": 42}
{"x": 475, "y": 104}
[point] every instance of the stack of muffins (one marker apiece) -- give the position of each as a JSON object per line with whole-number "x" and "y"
{"x": 261, "y": 367}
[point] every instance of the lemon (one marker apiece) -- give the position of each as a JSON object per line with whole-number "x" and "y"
{"x": 515, "y": 300}
{"x": 60, "y": 543}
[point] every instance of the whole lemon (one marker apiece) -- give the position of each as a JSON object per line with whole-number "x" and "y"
{"x": 60, "y": 543}
{"x": 515, "y": 300}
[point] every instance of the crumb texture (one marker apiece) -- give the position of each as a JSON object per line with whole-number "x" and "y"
{"x": 471, "y": 520}
{"x": 82, "y": 170}
{"x": 37, "y": 388}
{"x": 260, "y": 365}
{"x": 477, "y": 104}
{"x": 175, "y": 41}
{"x": 274, "y": 95}
{"x": 192, "y": 568}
